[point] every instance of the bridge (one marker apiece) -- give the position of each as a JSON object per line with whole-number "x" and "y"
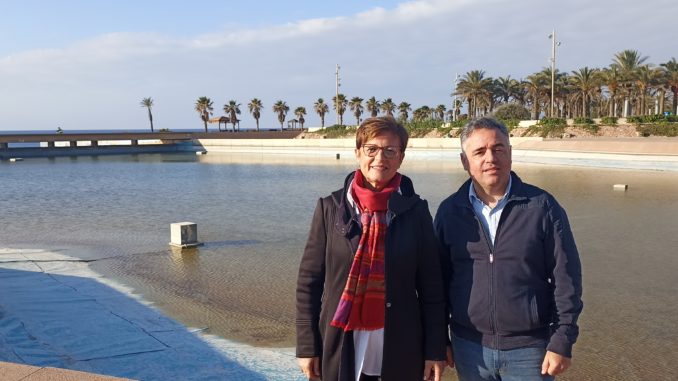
{"x": 75, "y": 144}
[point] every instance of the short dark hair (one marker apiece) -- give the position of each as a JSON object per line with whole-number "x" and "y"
{"x": 479, "y": 123}
{"x": 370, "y": 128}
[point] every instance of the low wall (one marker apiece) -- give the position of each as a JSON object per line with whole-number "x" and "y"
{"x": 9, "y": 153}
{"x": 630, "y": 153}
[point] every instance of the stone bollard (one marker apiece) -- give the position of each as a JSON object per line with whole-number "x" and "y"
{"x": 184, "y": 234}
{"x": 620, "y": 187}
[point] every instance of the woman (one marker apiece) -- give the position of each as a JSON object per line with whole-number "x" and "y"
{"x": 370, "y": 298}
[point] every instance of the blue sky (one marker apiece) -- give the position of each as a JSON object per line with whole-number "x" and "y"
{"x": 87, "y": 64}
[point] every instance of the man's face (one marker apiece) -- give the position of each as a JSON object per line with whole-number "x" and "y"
{"x": 486, "y": 157}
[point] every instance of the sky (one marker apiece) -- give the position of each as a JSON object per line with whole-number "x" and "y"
{"x": 86, "y": 65}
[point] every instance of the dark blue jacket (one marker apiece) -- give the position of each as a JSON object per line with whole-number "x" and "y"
{"x": 530, "y": 292}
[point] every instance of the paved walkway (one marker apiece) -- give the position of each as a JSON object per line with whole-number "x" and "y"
{"x": 56, "y": 312}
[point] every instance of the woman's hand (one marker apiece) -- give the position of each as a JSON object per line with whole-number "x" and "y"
{"x": 433, "y": 370}
{"x": 450, "y": 357}
{"x": 310, "y": 366}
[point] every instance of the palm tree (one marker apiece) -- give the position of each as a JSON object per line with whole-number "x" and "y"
{"x": 476, "y": 89}
{"x": 340, "y": 103}
{"x": 373, "y": 106}
{"x": 586, "y": 81}
{"x": 281, "y": 109}
{"x": 560, "y": 91}
{"x": 232, "y": 109}
{"x": 356, "y": 105}
{"x": 671, "y": 79}
{"x": 610, "y": 78}
{"x": 506, "y": 88}
{"x": 403, "y": 108}
{"x": 628, "y": 62}
{"x": 204, "y": 107}
{"x": 388, "y": 106}
{"x": 647, "y": 79}
{"x": 148, "y": 103}
{"x": 300, "y": 112}
{"x": 321, "y": 108}
{"x": 535, "y": 89}
{"x": 255, "y": 107}
{"x": 422, "y": 113}
{"x": 440, "y": 112}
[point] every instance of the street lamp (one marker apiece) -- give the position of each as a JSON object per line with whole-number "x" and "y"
{"x": 454, "y": 98}
{"x": 336, "y": 98}
{"x": 554, "y": 43}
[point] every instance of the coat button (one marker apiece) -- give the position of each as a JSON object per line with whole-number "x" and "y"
{"x": 388, "y": 305}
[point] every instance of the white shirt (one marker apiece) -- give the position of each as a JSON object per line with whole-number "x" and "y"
{"x": 489, "y": 216}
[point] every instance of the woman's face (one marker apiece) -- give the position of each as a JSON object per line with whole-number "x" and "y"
{"x": 379, "y": 160}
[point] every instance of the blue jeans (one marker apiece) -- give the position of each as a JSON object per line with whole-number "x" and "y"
{"x": 475, "y": 362}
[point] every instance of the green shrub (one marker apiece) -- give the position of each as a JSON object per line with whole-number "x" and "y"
{"x": 547, "y": 130}
{"x": 552, "y": 122}
{"x": 459, "y": 123}
{"x": 579, "y": 121}
{"x": 339, "y": 131}
{"x": 609, "y": 120}
{"x": 661, "y": 119}
{"x": 510, "y": 123}
{"x": 658, "y": 130}
{"x": 511, "y": 111}
{"x": 420, "y": 128}
{"x": 592, "y": 128}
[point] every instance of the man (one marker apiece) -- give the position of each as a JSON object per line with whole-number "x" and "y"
{"x": 511, "y": 267}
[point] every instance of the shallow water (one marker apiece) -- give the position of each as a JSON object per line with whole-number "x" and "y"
{"x": 253, "y": 213}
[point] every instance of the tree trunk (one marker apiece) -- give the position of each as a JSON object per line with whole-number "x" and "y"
{"x": 662, "y": 96}
{"x": 150, "y": 118}
{"x": 584, "y": 109}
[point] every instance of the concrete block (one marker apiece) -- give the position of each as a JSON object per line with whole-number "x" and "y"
{"x": 184, "y": 234}
{"x": 620, "y": 187}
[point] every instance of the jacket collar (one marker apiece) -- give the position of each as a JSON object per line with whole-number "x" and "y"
{"x": 517, "y": 191}
{"x": 398, "y": 203}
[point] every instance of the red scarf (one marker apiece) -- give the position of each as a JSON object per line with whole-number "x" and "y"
{"x": 361, "y": 305}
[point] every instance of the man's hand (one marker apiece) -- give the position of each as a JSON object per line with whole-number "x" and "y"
{"x": 555, "y": 364}
{"x": 310, "y": 367}
{"x": 433, "y": 370}
{"x": 450, "y": 357}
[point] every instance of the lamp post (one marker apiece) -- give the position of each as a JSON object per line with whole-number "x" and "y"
{"x": 454, "y": 98}
{"x": 554, "y": 43}
{"x": 336, "y": 98}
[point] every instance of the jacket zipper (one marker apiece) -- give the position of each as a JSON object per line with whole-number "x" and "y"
{"x": 493, "y": 307}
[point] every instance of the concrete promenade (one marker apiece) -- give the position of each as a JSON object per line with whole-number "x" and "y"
{"x": 56, "y": 313}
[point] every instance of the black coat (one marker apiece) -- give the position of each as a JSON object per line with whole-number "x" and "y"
{"x": 415, "y": 323}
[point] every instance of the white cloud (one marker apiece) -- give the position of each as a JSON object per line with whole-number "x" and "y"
{"x": 409, "y": 53}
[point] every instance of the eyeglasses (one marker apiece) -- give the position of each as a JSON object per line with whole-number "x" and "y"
{"x": 372, "y": 150}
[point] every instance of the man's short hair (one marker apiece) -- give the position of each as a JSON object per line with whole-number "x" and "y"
{"x": 479, "y": 123}
{"x": 370, "y": 128}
